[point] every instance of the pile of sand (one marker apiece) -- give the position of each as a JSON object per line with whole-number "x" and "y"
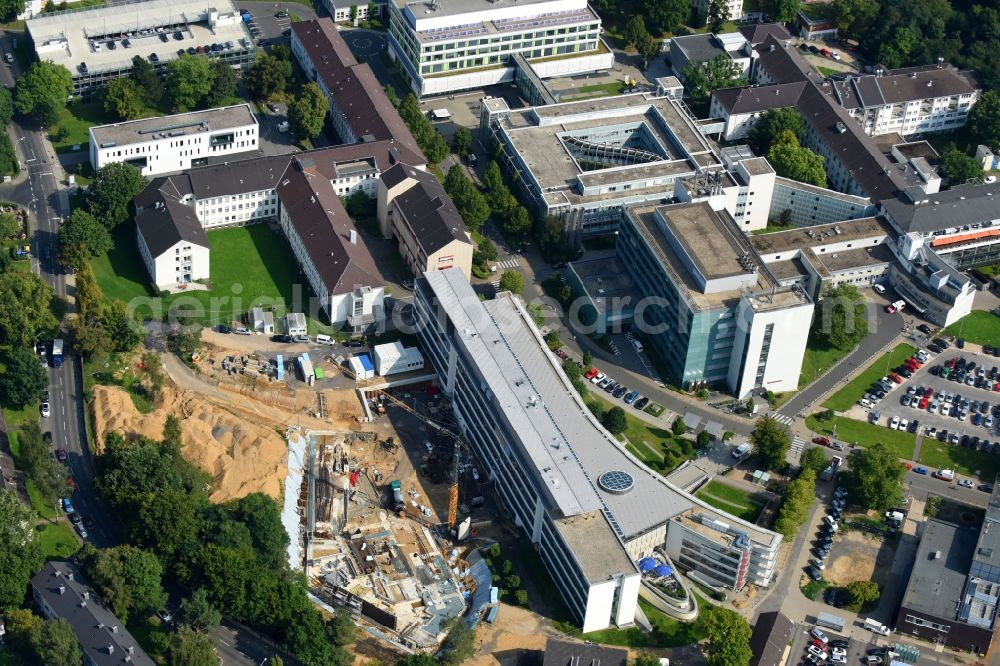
{"x": 241, "y": 456}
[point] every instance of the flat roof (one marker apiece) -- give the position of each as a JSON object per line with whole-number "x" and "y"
{"x": 442, "y": 8}
{"x": 603, "y": 276}
{"x": 698, "y": 228}
{"x": 821, "y": 234}
{"x": 180, "y": 124}
{"x": 560, "y": 435}
{"x": 941, "y": 566}
{"x": 594, "y": 545}
{"x": 76, "y": 28}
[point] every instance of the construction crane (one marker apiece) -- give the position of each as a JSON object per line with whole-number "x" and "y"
{"x": 453, "y": 491}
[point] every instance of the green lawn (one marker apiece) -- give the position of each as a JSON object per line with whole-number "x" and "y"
{"x": 38, "y": 503}
{"x": 731, "y": 500}
{"x": 843, "y": 399}
{"x": 941, "y": 455}
{"x": 247, "y": 264}
{"x": 813, "y": 588}
{"x": 979, "y": 326}
{"x": 667, "y": 632}
{"x": 772, "y": 228}
{"x": 865, "y": 434}
{"x": 816, "y": 362}
{"x": 647, "y": 442}
{"x": 828, "y": 71}
{"x": 57, "y": 540}
{"x": 150, "y": 633}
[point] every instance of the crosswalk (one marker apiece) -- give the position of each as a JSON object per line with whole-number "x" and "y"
{"x": 511, "y": 262}
{"x": 782, "y": 419}
{"x": 797, "y": 445}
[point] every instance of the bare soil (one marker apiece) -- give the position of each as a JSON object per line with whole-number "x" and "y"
{"x": 858, "y": 557}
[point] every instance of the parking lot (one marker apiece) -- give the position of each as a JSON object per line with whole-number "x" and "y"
{"x": 952, "y": 411}
{"x": 856, "y": 650}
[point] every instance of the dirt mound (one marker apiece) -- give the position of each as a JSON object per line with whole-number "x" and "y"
{"x": 241, "y": 456}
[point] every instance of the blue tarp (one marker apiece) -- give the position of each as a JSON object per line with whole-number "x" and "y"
{"x": 646, "y": 564}
{"x": 366, "y": 362}
{"x": 280, "y": 362}
{"x": 662, "y": 570}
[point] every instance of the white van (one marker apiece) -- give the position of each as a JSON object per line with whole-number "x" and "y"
{"x": 324, "y": 339}
{"x": 637, "y": 345}
{"x": 877, "y": 627}
{"x": 741, "y": 451}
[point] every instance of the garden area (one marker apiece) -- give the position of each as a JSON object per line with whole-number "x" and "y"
{"x": 979, "y": 327}
{"x": 965, "y": 461}
{"x": 658, "y": 448}
{"x": 846, "y": 397}
{"x": 730, "y": 499}
{"x": 861, "y": 433}
{"x": 249, "y": 265}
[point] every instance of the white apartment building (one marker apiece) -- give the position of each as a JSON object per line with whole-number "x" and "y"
{"x": 448, "y": 45}
{"x": 909, "y": 101}
{"x": 589, "y": 505}
{"x": 175, "y": 143}
{"x": 733, "y": 11}
{"x": 172, "y": 244}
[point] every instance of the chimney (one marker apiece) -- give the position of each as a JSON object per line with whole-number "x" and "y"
{"x": 354, "y": 237}
{"x": 114, "y": 628}
{"x": 62, "y": 589}
{"x": 69, "y": 575}
{"x": 111, "y": 648}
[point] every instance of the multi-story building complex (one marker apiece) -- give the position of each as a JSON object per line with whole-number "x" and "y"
{"x": 97, "y": 44}
{"x": 913, "y": 100}
{"x": 60, "y": 591}
{"x": 591, "y": 507}
{"x": 820, "y": 257}
{"x": 460, "y": 44}
{"x": 414, "y": 209}
{"x": 688, "y": 50}
{"x": 171, "y": 240}
{"x": 808, "y": 204}
{"x": 359, "y": 109}
{"x": 715, "y": 314}
{"x": 175, "y": 143}
{"x": 953, "y": 595}
{"x": 582, "y": 161}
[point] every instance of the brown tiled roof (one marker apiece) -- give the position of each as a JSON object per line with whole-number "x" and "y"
{"x": 324, "y": 228}
{"x": 384, "y": 153}
{"x": 322, "y": 41}
{"x": 428, "y": 210}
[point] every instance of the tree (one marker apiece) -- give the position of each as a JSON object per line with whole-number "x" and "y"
{"x": 21, "y": 555}
{"x": 41, "y": 92}
{"x": 390, "y": 92}
{"x": 461, "y": 141}
{"x": 172, "y": 435}
{"x": 224, "y": 84}
{"x": 635, "y": 30}
{"x": 9, "y": 9}
{"x": 189, "y": 80}
{"x": 112, "y": 190}
{"x": 487, "y": 250}
{"x": 519, "y": 222}
{"x": 648, "y": 47}
{"x": 340, "y": 628}
{"x": 703, "y": 438}
{"x": 770, "y": 443}
{"x": 189, "y": 648}
{"x": 615, "y": 421}
{"x": 82, "y": 236}
{"x": 262, "y": 517}
{"x": 718, "y": 14}
{"x": 771, "y": 124}
{"x": 55, "y": 644}
{"x": 854, "y": 16}
{"x": 145, "y": 77}
{"x": 460, "y": 643}
{"x": 418, "y": 659}
{"x": 552, "y": 238}
{"x": 791, "y": 160}
{"x": 796, "y": 503}
{"x": 307, "y": 112}
{"x": 198, "y": 612}
{"x": 123, "y": 98}
{"x": 129, "y": 579}
{"x": 512, "y": 281}
{"x": 841, "y": 319}
{"x": 960, "y": 168}
{"x": 469, "y": 201}
{"x": 666, "y": 15}
{"x": 984, "y": 120}
{"x": 24, "y": 308}
{"x": 588, "y": 360}
{"x": 863, "y": 592}
{"x": 877, "y": 477}
{"x": 48, "y": 475}
{"x": 782, "y": 11}
{"x": 720, "y": 72}
{"x": 814, "y": 458}
{"x": 493, "y": 183}
{"x": 6, "y": 106}
{"x": 123, "y": 329}
{"x": 677, "y": 427}
{"x": 23, "y": 379}
{"x": 727, "y": 638}
{"x": 266, "y": 78}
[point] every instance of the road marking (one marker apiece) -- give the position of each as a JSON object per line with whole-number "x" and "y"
{"x": 224, "y": 642}
{"x": 44, "y": 173}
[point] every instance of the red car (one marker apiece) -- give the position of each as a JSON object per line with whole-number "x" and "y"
{"x": 822, "y": 441}
{"x": 590, "y": 374}
{"x": 896, "y": 378}
{"x": 950, "y": 363}
{"x": 923, "y": 403}
{"x": 929, "y": 394}
{"x": 914, "y": 362}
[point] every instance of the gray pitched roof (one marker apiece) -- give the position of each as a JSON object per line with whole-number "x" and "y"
{"x": 757, "y": 33}
{"x": 249, "y": 175}
{"x": 770, "y": 637}
{"x": 760, "y": 98}
{"x": 103, "y": 638}
{"x": 162, "y": 220}
{"x": 698, "y": 48}
{"x": 428, "y": 210}
{"x": 565, "y": 653}
{"x": 916, "y": 211}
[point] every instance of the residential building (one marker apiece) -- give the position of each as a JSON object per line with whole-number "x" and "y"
{"x": 97, "y": 43}
{"x": 461, "y": 44}
{"x": 170, "y": 239}
{"x": 341, "y": 10}
{"x": 912, "y": 100}
{"x": 414, "y": 209}
{"x": 60, "y": 591}
{"x": 359, "y": 108}
{"x": 175, "y": 143}
{"x": 718, "y": 310}
{"x": 589, "y": 505}
{"x": 583, "y": 161}
{"x": 688, "y": 50}
{"x": 816, "y": 25}
{"x": 771, "y": 633}
{"x": 733, "y": 9}
{"x": 566, "y": 653}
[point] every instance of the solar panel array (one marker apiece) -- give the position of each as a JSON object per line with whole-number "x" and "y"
{"x": 451, "y": 32}
{"x": 557, "y": 18}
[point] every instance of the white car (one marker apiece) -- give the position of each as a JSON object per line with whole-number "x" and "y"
{"x": 894, "y": 423}
{"x": 45, "y": 410}
{"x": 598, "y": 378}
{"x": 879, "y": 289}
{"x": 838, "y": 652}
{"x": 816, "y": 651}
{"x": 966, "y": 483}
{"x": 903, "y": 424}
{"x": 838, "y": 658}
{"x": 818, "y": 564}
